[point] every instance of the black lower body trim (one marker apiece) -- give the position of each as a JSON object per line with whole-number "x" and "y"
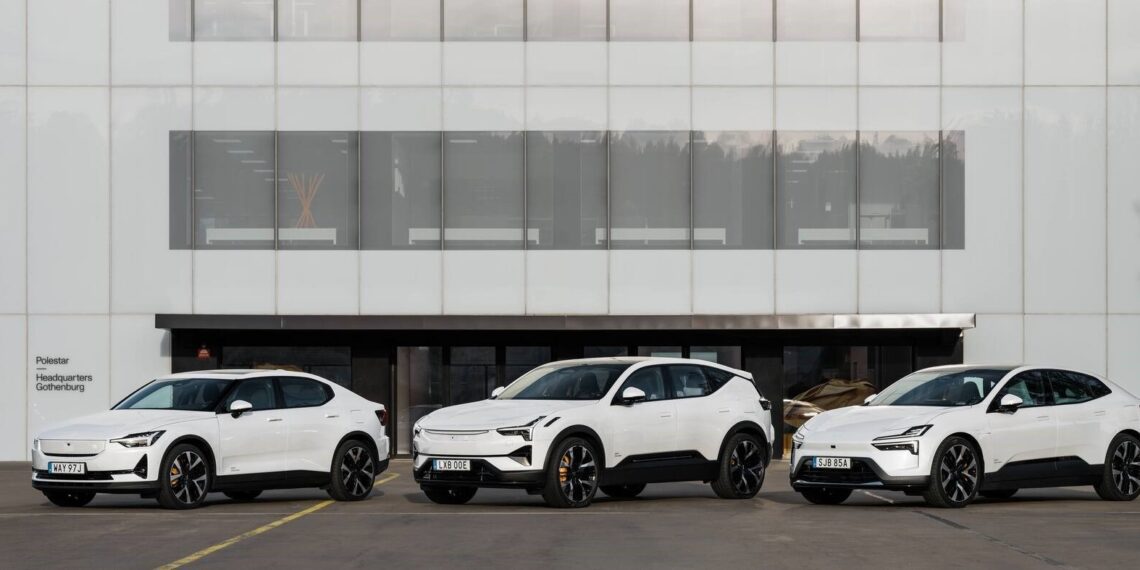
{"x": 128, "y": 488}
{"x": 1037, "y": 473}
{"x": 275, "y": 480}
{"x": 661, "y": 468}
{"x": 482, "y": 474}
{"x": 864, "y": 474}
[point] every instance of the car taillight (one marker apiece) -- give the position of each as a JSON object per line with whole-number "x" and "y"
{"x": 382, "y": 415}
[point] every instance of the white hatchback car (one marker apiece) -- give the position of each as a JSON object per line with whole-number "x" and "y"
{"x": 568, "y": 428}
{"x": 953, "y": 433}
{"x": 239, "y": 432}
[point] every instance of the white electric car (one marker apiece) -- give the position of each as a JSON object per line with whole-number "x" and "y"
{"x": 568, "y": 428}
{"x": 953, "y": 433}
{"x": 239, "y": 432}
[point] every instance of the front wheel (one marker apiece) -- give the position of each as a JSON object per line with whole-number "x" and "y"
{"x": 572, "y": 476}
{"x": 825, "y": 495}
{"x": 623, "y": 491}
{"x": 742, "y": 468}
{"x": 353, "y": 472}
{"x": 69, "y": 498}
{"x": 1121, "y": 479}
{"x": 954, "y": 475}
{"x": 445, "y": 495}
{"x": 184, "y": 478}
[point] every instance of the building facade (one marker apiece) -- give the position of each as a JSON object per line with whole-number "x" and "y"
{"x": 423, "y": 199}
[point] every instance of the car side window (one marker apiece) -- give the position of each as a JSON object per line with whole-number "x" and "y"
{"x": 1096, "y": 388}
{"x": 302, "y": 392}
{"x": 257, "y": 391}
{"x": 717, "y": 377}
{"x": 689, "y": 381}
{"x": 1030, "y": 387}
{"x": 649, "y": 380}
{"x": 1073, "y": 388}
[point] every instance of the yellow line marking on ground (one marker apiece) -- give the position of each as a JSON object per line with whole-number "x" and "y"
{"x": 259, "y": 530}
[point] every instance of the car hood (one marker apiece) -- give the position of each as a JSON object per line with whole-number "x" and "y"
{"x": 868, "y": 422}
{"x": 492, "y": 414}
{"x": 118, "y": 423}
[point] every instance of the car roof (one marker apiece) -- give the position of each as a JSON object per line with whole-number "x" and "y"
{"x": 633, "y": 360}
{"x": 235, "y": 373}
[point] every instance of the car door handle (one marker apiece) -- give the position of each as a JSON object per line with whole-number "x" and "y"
{"x": 272, "y": 419}
{"x": 1100, "y": 413}
{"x": 332, "y": 415}
{"x": 1043, "y": 418}
{"x": 724, "y": 410}
{"x": 666, "y": 414}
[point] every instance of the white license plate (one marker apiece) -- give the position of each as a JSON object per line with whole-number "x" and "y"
{"x": 831, "y": 462}
{"x": 67, "y": 468}
{"x": 451, "y": 465}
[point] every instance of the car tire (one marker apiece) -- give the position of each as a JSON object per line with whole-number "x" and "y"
{"x": 448, "y": 495}
{"x": 242, "y": 496}
{"x": 69, "y": 498}
{"x": 742, "y": 468}
{"x": 955, "y": 474}
{"x": 572, "y": 474}
{"x": 353, "y": 471}
{"x": 1121, "y": 478}
{"x": 825, "y": 495}
{"x": 623, "y": 491}
{"x": 184, "y": 477}
{"x": 998, "y": 493}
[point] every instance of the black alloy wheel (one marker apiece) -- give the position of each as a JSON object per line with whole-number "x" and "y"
{"x": 742, "y": 468}
{"x": 185, "y": 478}
{"x": 354, "y": 472}
{"x": 956, "y": 475}
{"x": 572, "y": 479}
{"x": 1121, "y": 479}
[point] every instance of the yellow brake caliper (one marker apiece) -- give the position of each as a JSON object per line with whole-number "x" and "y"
{"x": 174, "y": 473}
{"x": 563, "y": 469}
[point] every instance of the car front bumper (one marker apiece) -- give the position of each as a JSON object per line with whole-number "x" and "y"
{"x": 871, "y": 468}
{"x": 483, "y": 473}
{"x": 116, "y": 469}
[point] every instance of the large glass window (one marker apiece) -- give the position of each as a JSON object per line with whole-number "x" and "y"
{"x": 732, "y": 190}
{"x": 400, "y": 190}
{"x": 181, "y": 180}
{"x": 899, "y": 20}
{"x": 399, "y": 20}
{"x": 732, "y": 20}
{"x": 649, "y": 190}
{"x": 815, "y": 20}
{"x": 649, "y": 20}
{"x": 317, "y": 190}
{"x": 233, "y": 20}
{"x": 233, "y": 190}
{"x": 566, "y": 20}
{"x": 472, "y": 373}
{"x": 521, "y": 359}
{"x": 566, "y": 190}
{"x": 953, "y": 206}
{"x": 179, "y": 18}
{"x": 815, "y": 190}
{"x": 483, "y": 20}
{"x": 726, "y": 355}
{"x": 323, "y": 20}
{"x": 483, "y": 190}
{"x": 898, "y": 190}
{"x": 419, "y": 389}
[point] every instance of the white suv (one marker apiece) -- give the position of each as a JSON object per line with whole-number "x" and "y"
{"x": 568, "y": 428}
{"x": 234, "y": 431}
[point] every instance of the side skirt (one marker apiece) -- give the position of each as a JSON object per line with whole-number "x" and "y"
{"x": 1038, "y": 473}
{"x": 277, "y": 480}
{"x": 660, "y": 468}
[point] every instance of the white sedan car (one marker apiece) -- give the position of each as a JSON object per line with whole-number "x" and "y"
{"x": 953, "y": 433}
{"x": 568, "y": 428}
{"x": 239, "y": 432}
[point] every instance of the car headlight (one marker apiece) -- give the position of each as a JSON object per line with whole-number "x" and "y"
{"x": 144, "y": 439}
{"x": 525, "y": 430}
{"x": 916, "y": 431}
{"x": 36, "y": 444}
{"x": 416, "y": 429}
{"x": 911, "y": 446}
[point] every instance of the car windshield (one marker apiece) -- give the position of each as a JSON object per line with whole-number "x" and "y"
{"x": 189, "y": 394}
{"x": 944, "y": 388}
{"x": 564, "y": 382}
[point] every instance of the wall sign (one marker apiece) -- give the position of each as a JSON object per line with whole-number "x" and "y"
{"x": 54, "y": 374}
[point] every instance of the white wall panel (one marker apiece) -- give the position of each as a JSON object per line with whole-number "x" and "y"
{"x": 982, "y": 42}
{"x": 733, "y": 63}
{"x": 567, "y": 63}
{"x": 1123, "y": 42}
{"x": 899, "y": 281}
{"x": 483, "y": 109}
{"x": 649, "y": 63}
{"x": 401, "y": 63}
{"x": 317, "y": 63}
{"x": 991, "y": 119}
{"x": 13, "y": 194}
{"x": 141, "y": 50}
{"x": 653, "y": 282}
{"x": 318, "y": 282}
{"x": 13, "y": 25}
{"x": 318, "y": 109}
{"x": 67, "y": 42}
{"x": 816, "y": 109}
{"x": 1124, "y": 200}
{"x": 483, "y": 63}
{"x": 995, "y": 339}
{"x": 1065, "y": 42}
{"x": 84, "y": 342}
{"x": 484, "y": 282}
{"x": 234, "y": 63}
{"x": 401, "y": 109}
{"x": 139, "y": 353}
{"x": 234, "y": 109}
{"x": 815, "y": 63}
{"x": 898, "y": 108}
{"x": 68, "y": 177}
{"x": 650, "y": 109}
{"x": 146, "y": 275}
{"x": 235, "y": 282}
{"x": 899, "y": 63}
{"x": 401, "y": 282}
{"x": 566, "y": 108}
{"x": 732, "y": 108}
{"x": 1065, "y": 200}
{"x": 1123, "y": 358}
{"x": 1075, "y": 341}
{"x": 14, "y": 381}
{"x": 737, "y": 282}
{"x": 821, "y": 281}
{"x": 567, "y": 282}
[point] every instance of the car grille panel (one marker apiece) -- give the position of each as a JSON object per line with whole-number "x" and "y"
{"x": 71, "y": 447}
{"x": 859, "y": 474}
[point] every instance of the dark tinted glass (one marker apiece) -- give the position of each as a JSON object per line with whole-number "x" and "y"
{"x": 257, "y": 391}
{"x": 689, "y": 382}
{"x": 196, "y": 395}
{"x": 649, "y": 380}
{"x": 234, "y": 189}
{"x": 566, "y": 190}
{"x": 317, "y": 190}
{"x": 1073, "y": 388}
{"x": 1030, "y": 387}
{"x": 815, "y": 190}
{"x": 400, "y": 190}
{"x": 561, "y": 382}
{"x": 718, "y": 377}
{"x": 302, "y": 392}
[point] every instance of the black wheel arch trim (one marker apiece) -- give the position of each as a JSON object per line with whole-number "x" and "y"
{"x": 578, "y": 431}
{"x": 751, "y": 427}
{"x": 360, "y": 436}
{"x": 201, "y": 444}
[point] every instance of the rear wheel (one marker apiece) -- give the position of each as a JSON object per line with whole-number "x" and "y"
{"x": 69, "y": 498}
{"x": 998, "y": 493}
{"x": 243, "y": 496}
{"x": 742, "y": 468}
{"x": 1121, "y": 479}
{"x": 572, "y": 476}
{"x": 955, "y": 475}
{"x": 184, "y": 478}
{"x": 623, "y": 491}
{"x": 353, "y": 472}
{"x": 446, "y": 495}
{"x": 826, "y": 496}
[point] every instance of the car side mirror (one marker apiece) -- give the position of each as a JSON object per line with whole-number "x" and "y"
{"x": 868, "y": 399}
{"x": 1009, "y": 403}
{"x": 497, "y": 391}
{"x": 239, "y": 407}
{"x": 632, "y": 395}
